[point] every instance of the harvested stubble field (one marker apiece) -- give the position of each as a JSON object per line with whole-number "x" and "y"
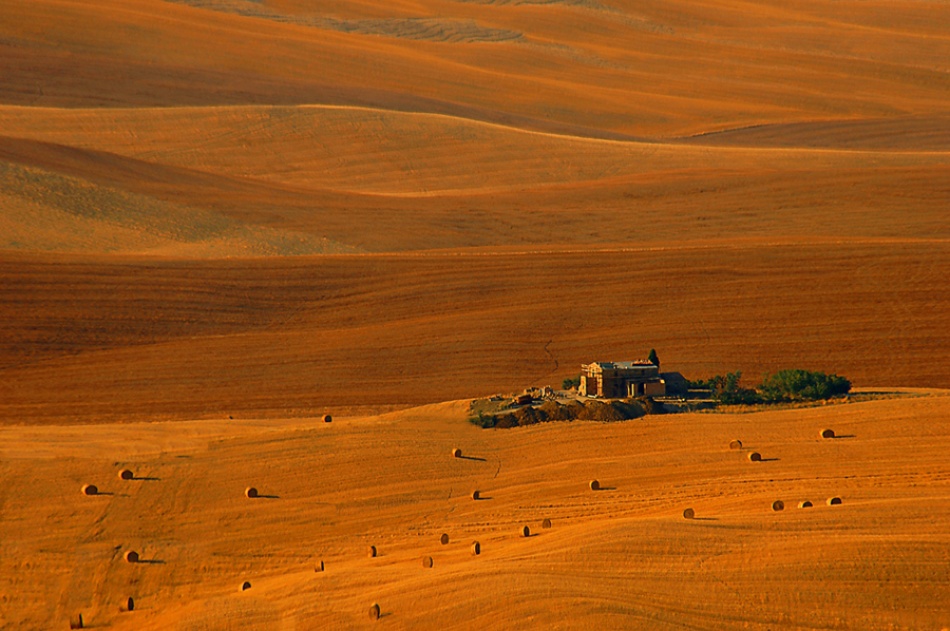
{"x": 89, "y": 339}
{"x": 271, "y": 210}
{"x": 621, "y": 557}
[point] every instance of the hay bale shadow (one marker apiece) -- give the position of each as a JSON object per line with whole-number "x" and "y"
{"x": 91, "y": 490}
{"x": 473, "y": 458}
{"x": 253, "y": 494}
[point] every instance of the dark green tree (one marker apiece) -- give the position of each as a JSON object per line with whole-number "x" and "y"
{"x": 728, "y": 389}
{"x": 569, "y": 383}
{"x": 653, "y": 358}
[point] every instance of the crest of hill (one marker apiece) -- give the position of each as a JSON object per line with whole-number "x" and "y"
{"x": 339, "y": 129}
{"x": 341, "y": 179}
{"x": 632, "y": 69}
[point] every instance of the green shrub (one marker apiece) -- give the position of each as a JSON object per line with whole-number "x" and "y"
{"x": 569, "y": 383}
{"x": 529, "y": 416}
{"x": 788, "y": 385}
{"x": 483, "y": 420}
{"x": 727, "y": 389}
{"x": 593, "y": 410}
{"x": 506, "y": 421}
{"x": 650, "y": 406}
{"x": 629, "y": 408}
{"x": 597, "y": 411}
{"x": 554, "y": 411}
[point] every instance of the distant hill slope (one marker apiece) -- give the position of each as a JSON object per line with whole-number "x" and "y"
{"x": 300, "y": 128}
{"x": 310, "y": 179}
{"x": 91, "y": 339}
{"x": 622, "y": 66}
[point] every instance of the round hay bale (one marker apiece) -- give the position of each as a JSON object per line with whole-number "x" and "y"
{"x": 444, "y": 539}
{"x": 525, "y": 531}
{"x": 90, "y": 489}
{"x": 827, "y": 433}
{"x": 327, "y": 418}
{"x": 476, "y": 495}
{"x": 805, "y": 504}
{"x": 476, "y": 548}
{"x": 834, "y": 501}
{"x": 689, "y": 513}
{"x": 318, "y": 567}
{"x": 735, "y": 444}
{"x": 372, "y": 551}
{"x": 246, "y": 585}
{"x": 456, "y": 453}
{"x": 755, "y": 457}
{"x": 130, "y": 605}
{"x": 251, "y": 492}
{"x": 778, "y": 505}
{"x": 374, "y": 612}
{"x": 546, "y": 523}
{"x": 126, "y": 474}
{"x": 427, "y": 562}
{"x": 131, "y": 556}
{"x": 594, "y": 485}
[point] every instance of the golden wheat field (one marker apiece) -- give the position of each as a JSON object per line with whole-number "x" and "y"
{"x": 221, "y": 220}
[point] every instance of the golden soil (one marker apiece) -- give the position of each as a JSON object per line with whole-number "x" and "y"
{"x": 620, "y": 557}
{"x": 273, "y": 209}
{"x": 89, "y": 339}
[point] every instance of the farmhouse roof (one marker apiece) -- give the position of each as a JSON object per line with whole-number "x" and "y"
{"x": 632, "y": 365}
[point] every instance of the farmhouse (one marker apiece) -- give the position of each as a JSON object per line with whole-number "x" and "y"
{"x": 615, "y": 380}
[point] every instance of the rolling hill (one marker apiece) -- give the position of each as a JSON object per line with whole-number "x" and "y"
{"x": 222, "y": 219}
